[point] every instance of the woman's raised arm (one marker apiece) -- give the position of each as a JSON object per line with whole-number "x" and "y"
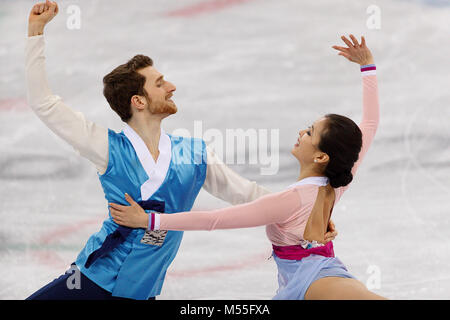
{"x": 360, "y": 53}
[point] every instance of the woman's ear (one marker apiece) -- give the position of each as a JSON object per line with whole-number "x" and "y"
{"x": 321, "y": 158}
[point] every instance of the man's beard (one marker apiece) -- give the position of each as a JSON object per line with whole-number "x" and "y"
{"x": 163, "y": 107}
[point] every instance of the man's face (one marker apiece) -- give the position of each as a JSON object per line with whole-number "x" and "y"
{"x": 159, "y": 92}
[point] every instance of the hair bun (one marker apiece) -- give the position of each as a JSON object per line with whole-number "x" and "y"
{"x": 342, "y": 179}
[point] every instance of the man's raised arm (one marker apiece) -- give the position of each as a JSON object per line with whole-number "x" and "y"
{"x": 89, "y": 139}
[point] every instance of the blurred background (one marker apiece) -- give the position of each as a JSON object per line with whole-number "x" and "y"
{"x": 238, "y": 64}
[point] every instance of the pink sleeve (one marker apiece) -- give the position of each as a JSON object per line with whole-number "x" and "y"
{"x": 370, "y": 120}
{"x": 269, "y": 209}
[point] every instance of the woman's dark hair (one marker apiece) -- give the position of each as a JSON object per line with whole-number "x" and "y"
{"x": 342, "y": 141}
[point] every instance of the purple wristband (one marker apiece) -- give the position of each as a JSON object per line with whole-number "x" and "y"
{"x": 151, "y": 225}
{"x": 368, "y": 67}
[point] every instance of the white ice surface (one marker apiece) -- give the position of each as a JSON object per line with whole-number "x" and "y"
{"x": 261, "y": 64}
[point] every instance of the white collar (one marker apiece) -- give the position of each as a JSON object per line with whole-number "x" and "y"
{"x": 156, "y": 171}
{"x": 318, "y": 181}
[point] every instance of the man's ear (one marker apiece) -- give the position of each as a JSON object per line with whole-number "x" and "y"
{"x": 138, "y": 102}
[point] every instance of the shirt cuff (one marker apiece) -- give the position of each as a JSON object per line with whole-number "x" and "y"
{"x": 368, "y": 70}
{"x": 36, "y": 36}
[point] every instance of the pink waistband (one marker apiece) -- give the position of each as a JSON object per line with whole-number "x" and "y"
{"x": 298, "y": 252}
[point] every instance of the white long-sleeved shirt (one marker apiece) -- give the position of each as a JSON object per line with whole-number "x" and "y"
{"x": 90, "y": 140}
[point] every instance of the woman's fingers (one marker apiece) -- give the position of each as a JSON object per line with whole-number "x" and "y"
{"x": 358, "y": 53}
{"x": 115, "y": 212}
{"x": 330, "y": 236}
{"x": 343, "y": 49}
{"x": 130, "y": 200}
{"x": 363, "y": 41}
{"x": 347, "y": 42}
{"x": 355, "y": 41}
{"x": 117, "y": 207}
{"x": 118, "y": 221}
{"x": 117, "y": 216}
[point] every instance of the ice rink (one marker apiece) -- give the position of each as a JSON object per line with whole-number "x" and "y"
{"x": 238, "y": 64}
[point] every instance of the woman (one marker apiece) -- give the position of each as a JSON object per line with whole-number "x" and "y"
{"x": 329, "y": 152}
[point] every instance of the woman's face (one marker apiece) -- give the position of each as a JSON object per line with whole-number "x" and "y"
{"x": 306, "y": 149}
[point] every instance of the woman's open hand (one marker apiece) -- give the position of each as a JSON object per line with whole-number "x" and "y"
{"x": 355, "y": 52}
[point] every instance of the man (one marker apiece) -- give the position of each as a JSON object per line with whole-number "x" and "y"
{"x": 163, "y": 172}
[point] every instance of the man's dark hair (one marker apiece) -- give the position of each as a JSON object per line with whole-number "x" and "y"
{"x": 124, "y": 82}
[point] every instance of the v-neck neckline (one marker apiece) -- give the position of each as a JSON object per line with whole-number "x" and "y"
{"x": 156, "y": 170}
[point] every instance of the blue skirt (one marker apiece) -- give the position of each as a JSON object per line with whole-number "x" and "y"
{"x": 295, "y": 276}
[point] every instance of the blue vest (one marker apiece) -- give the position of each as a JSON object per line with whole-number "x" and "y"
{"x": 136, "y": 269}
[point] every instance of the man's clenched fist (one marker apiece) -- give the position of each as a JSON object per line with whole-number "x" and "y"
{"x": 40, "y": 15}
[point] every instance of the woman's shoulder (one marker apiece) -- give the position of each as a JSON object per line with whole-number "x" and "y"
{"x": 306, "y": 192}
